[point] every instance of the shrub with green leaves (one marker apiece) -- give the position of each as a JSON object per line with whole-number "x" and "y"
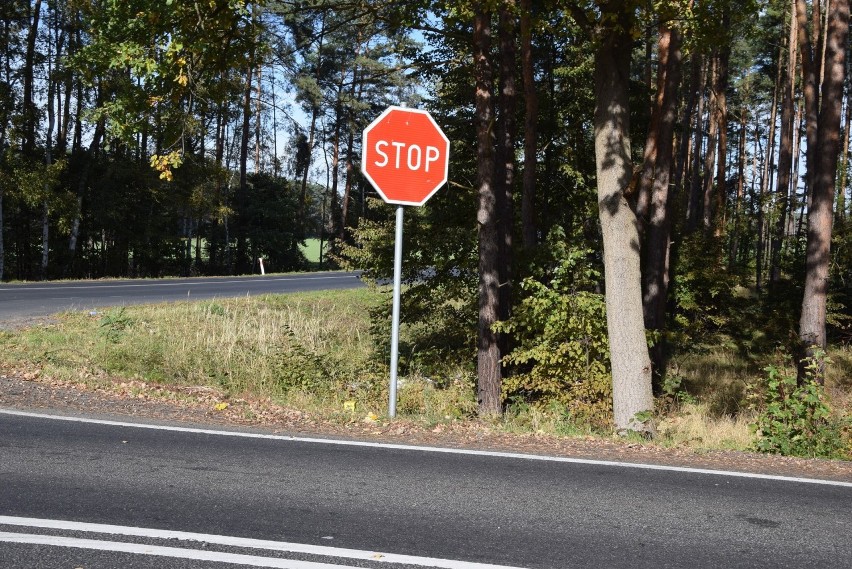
{"x": 561, "y": 352}
{"x": 796, "y": 420}
{"x": 701, "y": 288}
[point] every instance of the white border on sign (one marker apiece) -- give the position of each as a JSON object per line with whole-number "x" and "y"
{"x": 365, "y": 146}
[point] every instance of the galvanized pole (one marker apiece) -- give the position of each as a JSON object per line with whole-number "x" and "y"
{"x": 397, "y": 286}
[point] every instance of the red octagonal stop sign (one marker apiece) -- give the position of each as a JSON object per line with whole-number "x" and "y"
{"x": 405, "y": 156}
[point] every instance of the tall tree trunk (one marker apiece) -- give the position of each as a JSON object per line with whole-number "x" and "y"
{"x": 686, "y": 135}
{"x": 785, "y": 152}
{"x": 631, "y": 365}
{"x": 62, "y": 132}
{"x": 710, "y": 154}
{"x": 528, "y": 217}
{"x": 504, "y": 172}
{"x": 303, "y": 194}
{"x": 820, "y": 214}
{"x": 28, "y": 145}
{"x": 489, "y": 377}
{"x": 840, "y": 210}
{"x": 766, "y": 176}
{"x": 741, "y": 166}
{"x": 809, "y": 88}
{"x": 792, "y": 220}
{"x": 258, "y": 124}
{"x": 242, "y": 263}
{"x": 649, "y": 154}
{"x": 335, "y": 213}
{"x": 48, "y": 160}
{"x": 94, "y": 148}
{"x": 347, "y": 187}
{"x": 657, "y": 231}
{"x": 355, "y": 94}
{"x": 719, "y": 215}
{"x": 693, "y": 204}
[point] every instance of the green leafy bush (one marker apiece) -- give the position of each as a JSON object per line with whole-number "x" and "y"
{"x": 701, "y": 288}
{"x": 796, "y": 420}
{"x": 561, "y": 352}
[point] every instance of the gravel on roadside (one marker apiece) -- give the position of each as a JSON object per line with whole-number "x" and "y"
{"x": 200, "y": 406}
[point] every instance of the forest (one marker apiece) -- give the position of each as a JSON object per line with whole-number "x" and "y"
{"x": 629, "y": 180}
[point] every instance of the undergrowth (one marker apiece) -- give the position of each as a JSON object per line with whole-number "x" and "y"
{"x": 316, "y": 352}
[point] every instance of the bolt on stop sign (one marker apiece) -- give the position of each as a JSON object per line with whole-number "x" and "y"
{"x": 405, "y": 156}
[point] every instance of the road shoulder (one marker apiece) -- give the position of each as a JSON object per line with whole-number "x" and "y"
{"x": 204, "y": 407}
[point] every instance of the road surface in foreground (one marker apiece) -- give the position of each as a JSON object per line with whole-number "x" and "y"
{"x": 241, "y": 498}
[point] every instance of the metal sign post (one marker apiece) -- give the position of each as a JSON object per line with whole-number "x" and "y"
{"x": 397, "y": 289}
{"x": 405, "y": 156}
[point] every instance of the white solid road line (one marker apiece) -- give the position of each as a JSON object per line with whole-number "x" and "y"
{"x": 159, "y": 551}
{"x": 439, "y": 450}
{"x": 231, "y": 541}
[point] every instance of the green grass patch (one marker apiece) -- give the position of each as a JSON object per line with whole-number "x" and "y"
{"x": 311, "y": 250}
{"x": 312, "y": 351}
{"x": 261, "y": 346}
{"x": 315, "y": 352}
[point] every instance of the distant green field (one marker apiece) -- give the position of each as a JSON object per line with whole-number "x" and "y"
{"x": 311, "y": 250}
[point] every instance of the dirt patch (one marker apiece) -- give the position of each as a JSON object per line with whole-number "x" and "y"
{"x": 202, "y": 406}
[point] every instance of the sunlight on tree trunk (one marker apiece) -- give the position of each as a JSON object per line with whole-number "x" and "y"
{"x": 631, "y": 367}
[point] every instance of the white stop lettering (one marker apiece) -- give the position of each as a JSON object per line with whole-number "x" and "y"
{"x": 414, "y": 158}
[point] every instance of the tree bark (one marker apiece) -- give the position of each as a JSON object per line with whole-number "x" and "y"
{"x": 693, "y": 205}
{"x": 741, "y": 168}
{"x": 719, "y": 215}
{"x": 658, "y": 227}
{"x": 28, "y": 145}
{"x": 820, "y": 214}
{"x": 489, "y": 377}
{"x": 649, "y": 154}
{"x": 809, "y": 89}
{"x": 528, "y": 217}
{"x": 785, "y": 152}
{"x": 768, "y": 166}
{"x": 840, "y": 210}
{"x": 710, "y": 154}
{"x": 504, "y": 174}
{"x": 686, "y": 135}
{"x": 242, "y": 264}
{"x": 631, "y": 366}
{"x": 48, "y": 160}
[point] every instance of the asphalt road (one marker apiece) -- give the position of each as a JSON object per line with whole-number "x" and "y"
{"x": 443, "y": 508}
{"x": 42, "y": 299}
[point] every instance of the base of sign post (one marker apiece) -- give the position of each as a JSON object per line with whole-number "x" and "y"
{"x": 397, "y": 287}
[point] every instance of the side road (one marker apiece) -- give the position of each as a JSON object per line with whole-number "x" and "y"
{"x": 203, "y": 407}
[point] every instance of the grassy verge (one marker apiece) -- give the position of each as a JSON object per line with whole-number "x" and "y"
{"x": 311, "y": 351}
{"x": 314, "y": 352}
